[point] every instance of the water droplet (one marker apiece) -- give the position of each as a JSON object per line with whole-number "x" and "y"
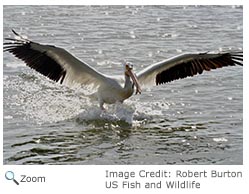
{"x": 150, "y": 54}
{"x": 8, "y": 117}
{"x": 166, "y": 35}
{"x": 221, "y": 139}
{"x": 193, "y": 127}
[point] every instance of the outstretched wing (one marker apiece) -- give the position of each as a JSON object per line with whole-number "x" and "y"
{"x": 53, "y": 62}
{"x": 186, "y": 65}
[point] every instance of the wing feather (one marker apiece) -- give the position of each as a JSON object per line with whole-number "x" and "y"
{"x": 53, "y": 62}
{"x": 185, "y": 65}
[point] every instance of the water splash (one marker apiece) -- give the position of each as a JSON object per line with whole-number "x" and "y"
{"x": 117, "y": 115}
{"x": 42, "y": 101}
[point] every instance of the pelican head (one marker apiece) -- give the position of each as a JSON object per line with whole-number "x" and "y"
{"x": 129, "y": 73}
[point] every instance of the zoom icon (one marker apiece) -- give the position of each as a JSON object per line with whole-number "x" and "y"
{"x": 9, "y": 175}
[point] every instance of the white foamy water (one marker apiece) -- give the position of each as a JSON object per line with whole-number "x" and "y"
{"x": 191, "y": 121}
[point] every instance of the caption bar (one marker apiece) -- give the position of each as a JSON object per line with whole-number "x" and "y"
{"x": 164, "y": 179}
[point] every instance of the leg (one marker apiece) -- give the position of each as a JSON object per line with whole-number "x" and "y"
{"x": 101, "y": 105}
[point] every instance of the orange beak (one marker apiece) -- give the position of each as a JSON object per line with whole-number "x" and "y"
{"x": 135, "y": 80}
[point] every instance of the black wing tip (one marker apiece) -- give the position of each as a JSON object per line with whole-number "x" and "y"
{"x": 237, "y": 57}
{"x": 46, "y": 65}
{"x": 14, "y": 42}
{"x": 15, "y": 32}
{"x": 197, "y": 66}
{"x": 20, "y": 38}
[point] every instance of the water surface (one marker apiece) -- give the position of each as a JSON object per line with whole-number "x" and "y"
{"x": 191, "y": 121}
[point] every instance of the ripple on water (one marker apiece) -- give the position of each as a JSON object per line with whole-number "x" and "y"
{"x": 192, "y": 121}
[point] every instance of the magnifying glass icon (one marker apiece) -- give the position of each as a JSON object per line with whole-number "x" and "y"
{"x": 9, "y": 175}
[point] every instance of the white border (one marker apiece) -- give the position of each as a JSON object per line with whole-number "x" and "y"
{"x": 90, "y": 178}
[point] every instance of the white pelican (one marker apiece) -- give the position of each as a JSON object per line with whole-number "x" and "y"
{"x": 60, "y": 66}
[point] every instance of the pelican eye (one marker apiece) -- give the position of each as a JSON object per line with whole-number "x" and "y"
{"x": 129, "y": 65}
